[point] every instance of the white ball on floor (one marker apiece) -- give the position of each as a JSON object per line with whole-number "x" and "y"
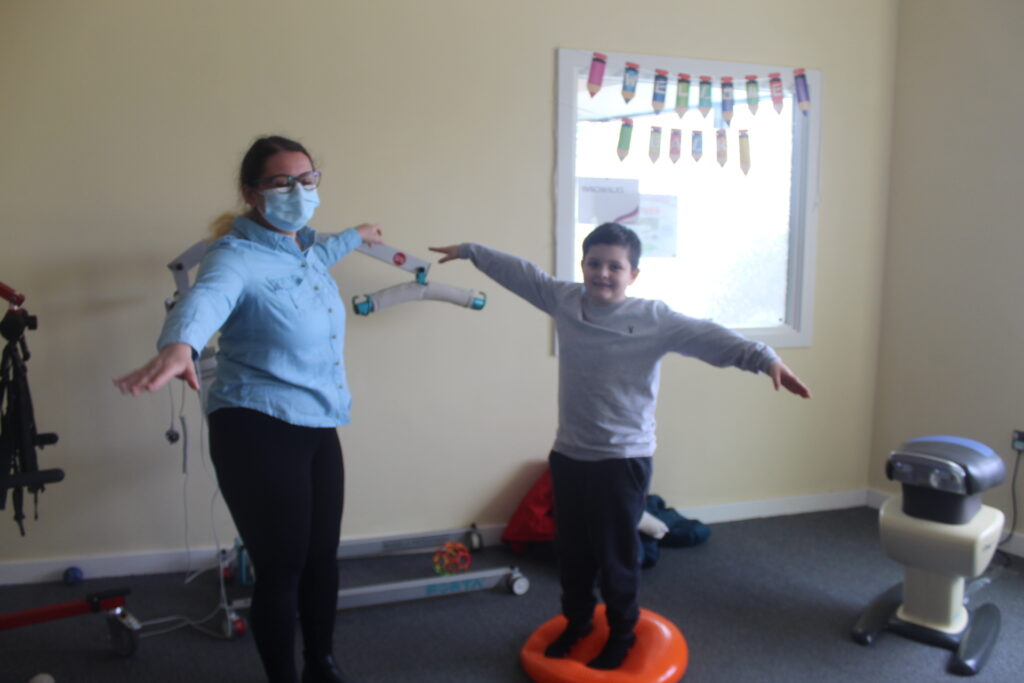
{"x": 42, "y": 678}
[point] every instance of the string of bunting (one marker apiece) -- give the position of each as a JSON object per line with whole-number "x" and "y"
{"x": 705, "y": 86}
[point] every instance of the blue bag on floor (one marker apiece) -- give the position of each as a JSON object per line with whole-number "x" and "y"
{"x": 682, "y": 532}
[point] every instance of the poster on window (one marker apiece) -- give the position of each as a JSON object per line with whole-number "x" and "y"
{"x": 608, "y": 199}
{"x": 656, "y": 226}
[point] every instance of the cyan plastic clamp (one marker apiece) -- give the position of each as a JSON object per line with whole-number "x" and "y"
{"x": 364, "y": 307}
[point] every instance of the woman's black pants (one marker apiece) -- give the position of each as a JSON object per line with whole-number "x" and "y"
{"x": 284, "y": 486}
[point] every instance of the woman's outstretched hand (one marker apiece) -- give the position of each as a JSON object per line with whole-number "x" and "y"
{"x": 174, "y": 360}
{"x": 371, "y": 233}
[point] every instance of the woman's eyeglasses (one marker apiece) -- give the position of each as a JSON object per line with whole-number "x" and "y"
{"x": 283, "y": 183}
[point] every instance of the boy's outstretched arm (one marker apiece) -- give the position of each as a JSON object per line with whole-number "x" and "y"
{"x": 782, "y": 376}
{"x": 515, "y": 274}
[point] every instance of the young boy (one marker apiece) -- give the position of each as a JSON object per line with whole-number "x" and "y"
{"x": 610, "y": 349}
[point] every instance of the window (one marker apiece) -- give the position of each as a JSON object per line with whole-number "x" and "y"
{"x": 723, "y": 197}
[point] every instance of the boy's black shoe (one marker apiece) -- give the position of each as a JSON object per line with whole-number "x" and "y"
{"x": 324, "y": 670}
{"x": 572, "y": 634}
{"x": 615, "y": 650}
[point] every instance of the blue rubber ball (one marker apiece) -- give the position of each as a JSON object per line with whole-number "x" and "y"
{"x": 72, "y": 576}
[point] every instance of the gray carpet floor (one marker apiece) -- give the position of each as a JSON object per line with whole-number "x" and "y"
{"x": 763, "y": 600}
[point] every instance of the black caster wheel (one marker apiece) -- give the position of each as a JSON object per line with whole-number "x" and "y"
{"x": 124, "y": 632}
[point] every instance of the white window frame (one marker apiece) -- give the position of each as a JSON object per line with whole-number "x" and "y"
{"x": 796, "y": 329}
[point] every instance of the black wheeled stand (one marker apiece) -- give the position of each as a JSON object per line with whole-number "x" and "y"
{"x": 19, "y": 467}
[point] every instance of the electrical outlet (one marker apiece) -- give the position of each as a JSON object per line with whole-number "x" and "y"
{"x": 1018, "y": 439}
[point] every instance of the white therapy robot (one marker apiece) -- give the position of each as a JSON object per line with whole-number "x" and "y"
{"x": 941, "y": 532}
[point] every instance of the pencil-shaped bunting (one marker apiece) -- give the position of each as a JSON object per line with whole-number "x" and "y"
{"x": 660, "y": 88}
{"x": 682, "y": 94}
{"x": 728, "y": 98}
{"x": 630, "y": 77}
{"x": 675, "y": 145}
{"x": 744, "y": 151}
{"x": 753, "y": 93}
{"x": 720, "y": 147}
{"x": 697, "y": 145}
{"x": 625, "y": 135}
{"x": 704, "y": 95}
{"x": 803, "y": 96}
{"x": 775, "y": 85}
{"x": 654, "y": 151}
{"x": 596, "y": 76}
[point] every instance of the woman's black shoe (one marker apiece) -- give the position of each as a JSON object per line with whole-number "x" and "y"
{"x": 324, "y": 670}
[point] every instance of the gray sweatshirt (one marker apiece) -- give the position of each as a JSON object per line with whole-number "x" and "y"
{"x": 610, "y": 356}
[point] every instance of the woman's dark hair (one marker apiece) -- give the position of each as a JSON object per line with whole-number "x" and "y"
{"x": 261, "y": 150}
{"x": 615, "y": 234}
{"x": 251, "y": 173}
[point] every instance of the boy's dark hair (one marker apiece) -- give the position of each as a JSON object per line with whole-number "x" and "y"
{"x": 615, "y": 234}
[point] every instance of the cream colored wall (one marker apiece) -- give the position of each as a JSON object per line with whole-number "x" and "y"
{"x": 951, "y": 359}
{"x": 123, "y": 126}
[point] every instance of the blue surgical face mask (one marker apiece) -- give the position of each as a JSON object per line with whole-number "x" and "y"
{"x": 290, "y": 211}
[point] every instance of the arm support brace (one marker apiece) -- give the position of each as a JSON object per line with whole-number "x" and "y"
{"x": 414, "y": 291}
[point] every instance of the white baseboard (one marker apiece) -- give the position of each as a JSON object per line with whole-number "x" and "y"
{"x": 105, "y": 566}
{"x": 876, "y": 498}
{"x": 162, "y": 562}
{"x": 1014, "y": 546}
{"x": 777, "y": 507}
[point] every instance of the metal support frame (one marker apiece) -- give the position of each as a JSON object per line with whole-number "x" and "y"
{"x": 509, "y": 578}
{"x": 124, "y": 628}
{"x": 429, "y": 540}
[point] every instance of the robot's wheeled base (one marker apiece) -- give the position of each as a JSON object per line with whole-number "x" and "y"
{"x": 659, "y": 656}
{"x": 971, "y": 647}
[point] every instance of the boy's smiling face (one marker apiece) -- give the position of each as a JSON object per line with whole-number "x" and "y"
{"x": 606, "y": 273}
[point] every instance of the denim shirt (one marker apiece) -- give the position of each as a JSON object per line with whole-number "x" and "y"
{"x": 281, "y": 322}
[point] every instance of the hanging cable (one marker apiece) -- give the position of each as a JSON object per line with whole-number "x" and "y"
{"x": 1007, "y": 559}
{"x": 176, "y": 622}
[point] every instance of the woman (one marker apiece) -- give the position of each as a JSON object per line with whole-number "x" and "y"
{"x": 278, "y": 396}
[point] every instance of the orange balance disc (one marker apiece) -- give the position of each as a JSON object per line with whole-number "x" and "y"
{"x": 659, "y": 656}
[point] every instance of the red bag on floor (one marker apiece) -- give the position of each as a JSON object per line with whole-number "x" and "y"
{"x": 534, "y": 519}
